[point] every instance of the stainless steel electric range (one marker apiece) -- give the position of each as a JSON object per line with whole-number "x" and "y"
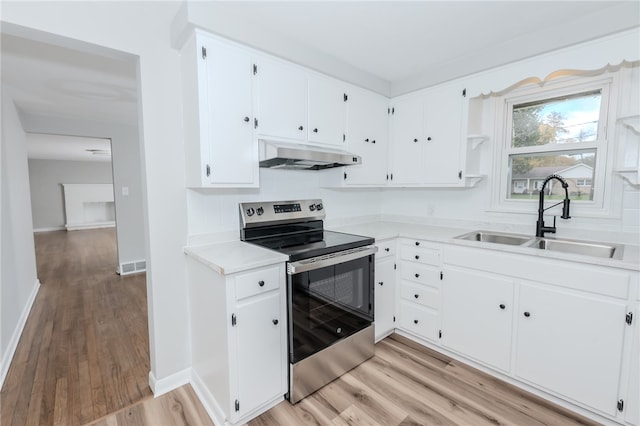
{"x": 329, "y": 289}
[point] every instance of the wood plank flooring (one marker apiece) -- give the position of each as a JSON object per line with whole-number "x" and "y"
{"x": 83, "y": 359}
{"x": 178, "y": 408}
{"x": 407, "y": 384}
{"x": 84, "y": 352}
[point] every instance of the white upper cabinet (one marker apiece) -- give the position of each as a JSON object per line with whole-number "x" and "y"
{"x": 407, "y": 140}
{"x": 327, "y": 111}
{"x": 427, "y": 137}
{"x": 367, "y": 136}
{"x": 218, "y": 114}
{"x": 282, "y": 100}
{"x": 443, "y": 135}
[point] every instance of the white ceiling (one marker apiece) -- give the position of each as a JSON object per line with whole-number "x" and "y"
{"x": 61, "y": 147}
{"x": 404, "y": 45}
{"x": 428, "y": 42}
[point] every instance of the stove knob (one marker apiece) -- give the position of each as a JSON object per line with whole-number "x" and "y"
{"x": 319, "y": 206}
{"x": 312, "y": 207}
{"x": 260, "y": 210}
{"x": 250, "y": 211}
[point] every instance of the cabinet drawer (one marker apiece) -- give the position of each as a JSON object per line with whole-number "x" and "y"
{"x": 424, "y": 255}
{"x": 420, "y": 294}
{"x": 257, "y": 282}
{"x": 420, "y": 321}
{"x": 420, "y": 274}
{"x": 385, "y": 248}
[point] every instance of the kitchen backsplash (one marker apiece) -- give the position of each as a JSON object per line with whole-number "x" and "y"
{"x": 213, "y": 213}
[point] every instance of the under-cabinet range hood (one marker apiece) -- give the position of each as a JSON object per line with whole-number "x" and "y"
{"x": 279, "y": 155}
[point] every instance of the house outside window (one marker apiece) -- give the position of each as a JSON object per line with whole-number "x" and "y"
{"x": 560, "y": 129}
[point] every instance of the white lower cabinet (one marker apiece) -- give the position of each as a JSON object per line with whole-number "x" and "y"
{"x": 632, "y": 405}
{"x": 384, "y": 289}
{"x": 238, "y": 325}
{"x": 419, "y": 289}
{"x": 258, "y": 327}
{"x": 571, "y": 343}
{"x": 477, "y": 315}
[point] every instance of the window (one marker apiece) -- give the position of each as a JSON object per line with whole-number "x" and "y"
{"x": 556, "y": 129}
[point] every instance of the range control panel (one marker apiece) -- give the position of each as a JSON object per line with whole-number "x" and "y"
{"x": 262, "y": 213}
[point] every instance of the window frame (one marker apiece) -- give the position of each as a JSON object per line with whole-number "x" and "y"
{"x": 605, "y": 188}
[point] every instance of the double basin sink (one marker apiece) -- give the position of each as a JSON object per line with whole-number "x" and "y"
{"x": 585, "y": 248}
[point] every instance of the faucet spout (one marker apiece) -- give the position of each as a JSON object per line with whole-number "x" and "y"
{"x": 541, "y": 228}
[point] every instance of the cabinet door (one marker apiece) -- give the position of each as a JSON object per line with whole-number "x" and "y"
{"x": 282, "y": 100}
{"x": 443, "y": 135}
{"x": 327, "y": 111}
{"x": 407, "y": 141}
{"x": 227, "y": 113}
{"x": 367, "y": 136}
{"x": 477, "y": 316}
{"x": 384, "y": 297}
{"x": 260, "y": 351}
{"x": 571, "y": 344}
{"x": 632, "y": 402}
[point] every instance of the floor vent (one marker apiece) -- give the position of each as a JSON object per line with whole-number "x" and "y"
{"x": 131, "y": 267}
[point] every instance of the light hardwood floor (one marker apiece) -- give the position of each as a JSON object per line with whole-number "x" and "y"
{"x": 407, "y": 384}
{"x": 84, "y": 351}
{"x": 83, "y": 359}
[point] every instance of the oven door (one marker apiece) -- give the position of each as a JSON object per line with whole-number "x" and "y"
{"x": 330, "y": 298}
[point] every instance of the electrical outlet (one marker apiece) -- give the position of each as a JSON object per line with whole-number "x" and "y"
{"x": 125, "y": 191}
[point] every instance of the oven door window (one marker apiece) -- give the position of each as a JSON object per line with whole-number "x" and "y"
{"x": 329, "y": 304}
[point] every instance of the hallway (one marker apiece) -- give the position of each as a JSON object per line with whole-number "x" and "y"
{"x": 84, "y": 351}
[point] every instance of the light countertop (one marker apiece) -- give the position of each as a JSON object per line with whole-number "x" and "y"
{"x": 236, "y": 256}
{"x": 438, "y": 234}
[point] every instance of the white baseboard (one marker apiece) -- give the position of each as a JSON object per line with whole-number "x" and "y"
{"x": 7, "y": 356}
{"x": 174, "y": 381}
{"x": 207, "y": 400}
{"x": 53, "y": 228}
{"x": 95, "y": 225}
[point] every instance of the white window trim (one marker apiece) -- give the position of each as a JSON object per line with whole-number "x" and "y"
{"x": 607, "y": 201}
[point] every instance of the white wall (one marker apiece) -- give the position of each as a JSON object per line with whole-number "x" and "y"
{"x": 216, "y": 211}
{"x": 126, "y": 159}
{"x": 47, "y": 196}
{"x": 19, "y": 283}
{"x": 138, "y": 30}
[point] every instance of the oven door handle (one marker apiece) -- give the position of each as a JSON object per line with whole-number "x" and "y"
{"x": 329, "y": 260}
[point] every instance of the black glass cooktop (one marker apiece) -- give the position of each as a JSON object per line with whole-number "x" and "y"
{"x": 313, "y": 243}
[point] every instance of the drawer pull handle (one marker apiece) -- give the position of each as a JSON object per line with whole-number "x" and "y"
{"x": 261, "y": 283}
{"x": 417, "y": 275}
{"x": 502, "y": 306}
{"x": 416, "y": 295}
{"x": 380, "y": 283}
{"x": 417, "y": 243}
{"x": 275, "y": 322}
{"x": 415, "y": 321}
{"x": 386, "y": 249}
{"x": 417, "y": 257}
{"x": 527, "y": 314}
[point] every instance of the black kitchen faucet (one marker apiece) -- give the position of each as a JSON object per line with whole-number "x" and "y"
{"x": 540, "y": 227}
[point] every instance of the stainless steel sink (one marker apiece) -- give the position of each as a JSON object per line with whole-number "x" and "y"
{"x": 495, "y": 237}
{"x": 585, "y": 248}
